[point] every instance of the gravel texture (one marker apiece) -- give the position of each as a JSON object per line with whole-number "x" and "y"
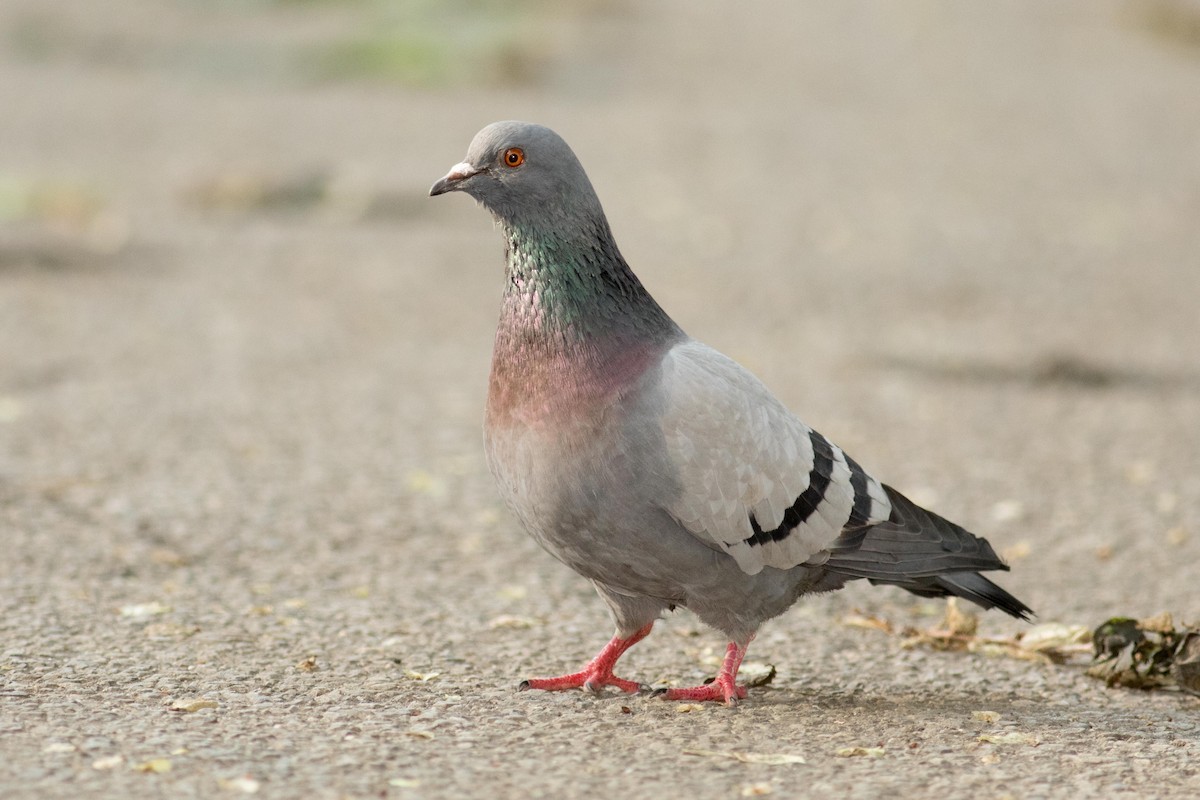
{"x": 249, "y": 544}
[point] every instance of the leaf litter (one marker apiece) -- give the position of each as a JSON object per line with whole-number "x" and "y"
{"x": 1151, "y": 653}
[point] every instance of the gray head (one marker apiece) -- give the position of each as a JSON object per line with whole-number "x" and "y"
{"x": 526, "y": 175}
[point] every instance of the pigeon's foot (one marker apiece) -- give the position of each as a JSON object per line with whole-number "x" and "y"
{"x": 599, "y": 671}
{"x": 588, "y": 679}
{"x": 724, "y": 688}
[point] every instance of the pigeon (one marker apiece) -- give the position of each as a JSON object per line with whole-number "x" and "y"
{"x": 656, "y": 467}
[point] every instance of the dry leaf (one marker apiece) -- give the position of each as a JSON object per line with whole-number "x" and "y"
{"x": 1147, "y": 654}
{"x": 864, "y": 621}
{"x": 144, "y": 610}
{"x": 419, "y": 734}
{"x": 404, "y": 783}
{"x": 420, "y": 676}
{"x": 245, "y": 784}
{"x": 1012, "y": 737}
{"x": 859, "y": 752}
{"x": 757, "y": 790}
{"x": 959, "y": 622}
{"x": 307, "y": 665}
{"x": 1160, "y": 623}
{"x": 154, "y": 765}
{"x": 194, "y": 704}
{"x": 770, "y": 759}
{"x": 755, "y": 673}
{"x": 1054, "y": 636}
{"x": 685, "y": 708}
{"x": 986, "y": 717}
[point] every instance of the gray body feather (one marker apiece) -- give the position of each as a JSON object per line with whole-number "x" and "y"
{"x": 648, "y": 498}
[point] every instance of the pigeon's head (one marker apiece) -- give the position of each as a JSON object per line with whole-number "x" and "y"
{"x": 525, "y": 174}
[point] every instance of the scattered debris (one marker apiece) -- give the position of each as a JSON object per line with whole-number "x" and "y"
{"x": 1050, "y": 644}
{"x": 308, "y": 664}
{"x": 193, "y": 704}
{"x": 1057, "y": 640}
{"x": 770, "y": 759}
{"x": 986, "y": 717}
{"x": 244, "y": 784}
{"x": 155, "y": 766}
{"x": 1147, "y": 654}
{"x": 1013, "y": 737}
{"x": 108, "y": 762}
{"x": 420, "y": 734}
{"x": 144, "y": 610}
{"x": 421, "y": 677}
{"x": 755, "y": 673}
{"x": 404, "y": 783}
{"x": 859, "y": 752}
{"x": 858, "y": 620}
{"x": 1151, "y": 653}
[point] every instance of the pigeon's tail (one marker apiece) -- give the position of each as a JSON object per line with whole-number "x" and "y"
{"x": 929, "y": 556}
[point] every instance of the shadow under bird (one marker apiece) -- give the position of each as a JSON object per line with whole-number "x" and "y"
{"x": 655, "y": 466}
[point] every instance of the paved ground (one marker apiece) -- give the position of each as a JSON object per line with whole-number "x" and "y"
{"x": 242, "y": 363}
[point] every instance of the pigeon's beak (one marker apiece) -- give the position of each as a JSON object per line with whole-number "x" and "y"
{"x": 457, "y": 174}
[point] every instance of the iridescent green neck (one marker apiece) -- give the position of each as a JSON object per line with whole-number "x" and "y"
{"x": 577, "y": 290}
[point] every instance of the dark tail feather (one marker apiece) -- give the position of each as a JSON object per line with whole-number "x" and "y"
{"x": 925, "y": 554}
{"x": 969, "y": 586}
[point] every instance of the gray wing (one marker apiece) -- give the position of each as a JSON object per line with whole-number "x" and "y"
{"x": 756, "y": 481}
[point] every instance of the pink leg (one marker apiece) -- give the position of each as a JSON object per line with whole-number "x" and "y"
{"x": 724, "y": 688}
{"x": 599, "y": 671}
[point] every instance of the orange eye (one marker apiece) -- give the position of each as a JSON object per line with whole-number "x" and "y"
{"x": 514, "y": 157}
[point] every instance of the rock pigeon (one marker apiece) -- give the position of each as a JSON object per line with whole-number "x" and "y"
{"x": 655, "y": 466}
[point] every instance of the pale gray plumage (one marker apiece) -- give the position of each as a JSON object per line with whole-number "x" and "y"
{"x": 655, "y": 466}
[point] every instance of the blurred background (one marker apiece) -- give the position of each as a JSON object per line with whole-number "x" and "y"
{"x": 243, "y": 355}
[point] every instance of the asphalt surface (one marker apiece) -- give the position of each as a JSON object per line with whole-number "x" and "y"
{"x": 248, "y": 544}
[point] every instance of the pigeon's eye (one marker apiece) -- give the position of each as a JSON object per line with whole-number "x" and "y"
{"x": 514, "y": 157}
